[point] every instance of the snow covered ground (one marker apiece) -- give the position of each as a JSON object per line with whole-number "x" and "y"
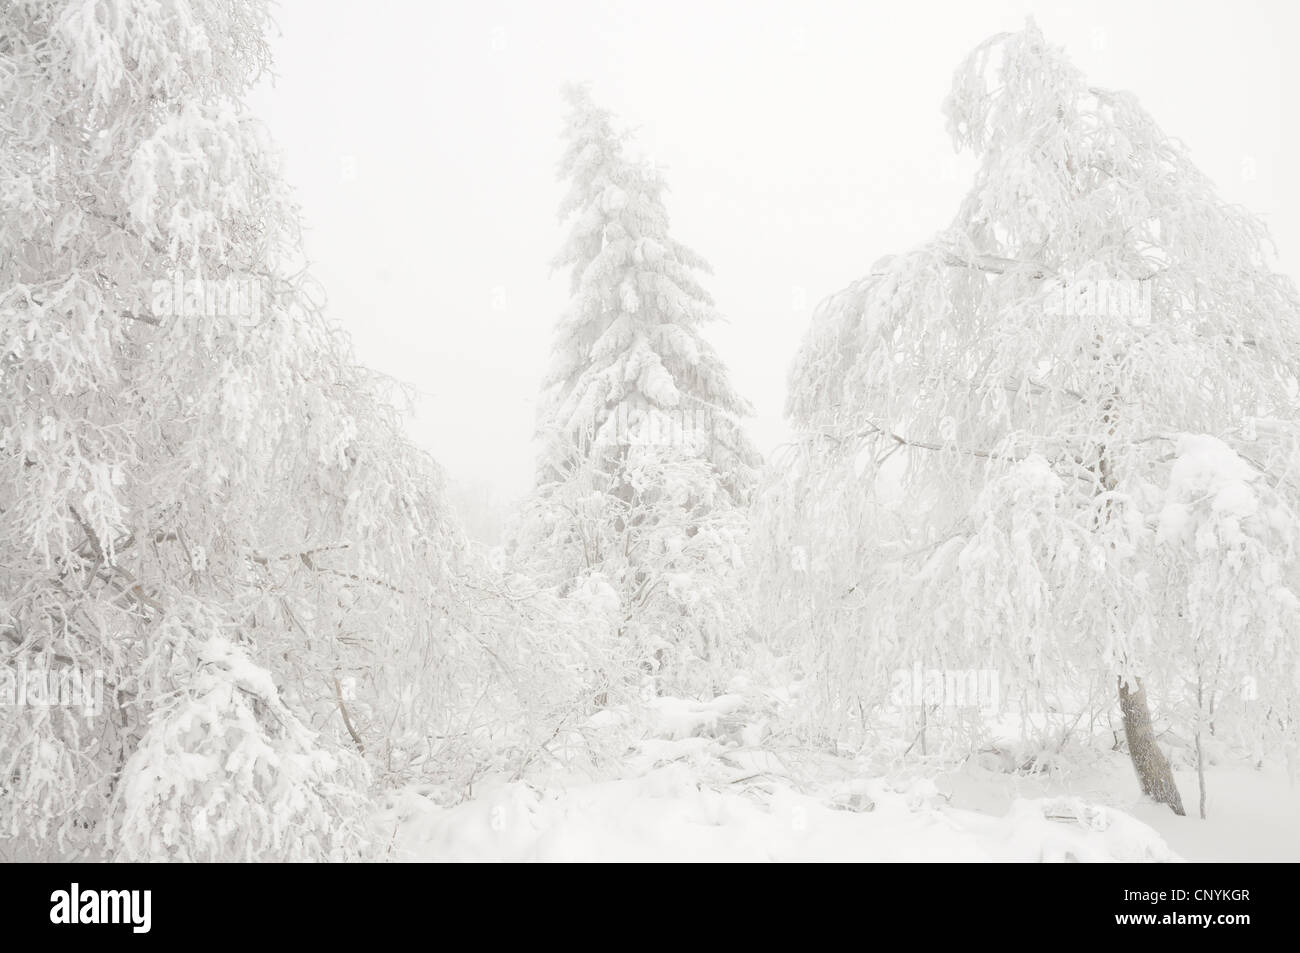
{"x": 1251, "y": 815}
{"x": 695, "y": 792}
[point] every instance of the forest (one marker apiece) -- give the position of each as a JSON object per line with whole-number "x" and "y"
{"x": 1023, "y": 584}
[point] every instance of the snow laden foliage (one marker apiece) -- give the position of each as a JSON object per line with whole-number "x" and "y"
{"x": 245, "y": 778}
{"x": 629, "y": 357}
{"x": 1225, "y": 544}
{"x": 1057, "y": 440}
{"x": 189, "y": 457}
{"x": 644, "y": 465}
{"x": 657, "y": 552}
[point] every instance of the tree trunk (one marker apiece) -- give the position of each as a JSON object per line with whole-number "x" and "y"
{"x": 1153, "y": 771}
{"x": 1200, "y": 750}
{"x": 1200, "y": 770}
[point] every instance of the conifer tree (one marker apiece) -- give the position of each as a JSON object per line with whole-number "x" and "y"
{"x": 630, "y": 363}
{"x": 644, "y": 464}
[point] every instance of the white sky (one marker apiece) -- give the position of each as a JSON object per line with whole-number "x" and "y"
{"x": 802, "y": 141}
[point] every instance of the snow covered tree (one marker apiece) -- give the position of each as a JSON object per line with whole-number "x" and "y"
{"x": 630, "y": 363}
{"x": 644, "y": 461}
{"x": 244, "y": 779}
{"x": 1058, "y": 439}
{"x": 193, "y": 469}
{"x": 664, "y": 544}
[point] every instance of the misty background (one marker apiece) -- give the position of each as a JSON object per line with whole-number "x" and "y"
{"x": 801, "y": 142}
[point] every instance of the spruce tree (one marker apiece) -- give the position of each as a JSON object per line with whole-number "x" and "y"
{"x": 645, "y": 467}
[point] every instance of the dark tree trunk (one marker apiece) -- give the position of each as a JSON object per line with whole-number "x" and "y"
{"x": 1153, "y": 771}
